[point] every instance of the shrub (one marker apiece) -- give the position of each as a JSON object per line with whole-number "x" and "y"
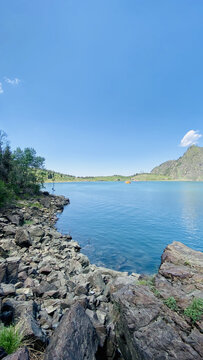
{"x": 37, "y": 205}
{"x": 187, "y": 263}
{"x": 10, "y": 338}
{"x": 171, "y": 303}
{"x": 28, "y": 222}
{"x": 150, "y": 282}
{"x": 195, "y": 310}
{"x": 5, "y": 193}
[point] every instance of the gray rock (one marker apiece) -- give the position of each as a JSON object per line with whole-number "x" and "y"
{"x": 7, "y": 289}
{"x": 12, "y": 269}
{"x": 74, "y": 339}
{"x": 9, "y": 230}
{"x": 147, "y": 329}
{"x": 16, "y": 219}
{"x": 31, "y": 329}
{"x": 3, "y": 268}
{"x": 44, "y": 287}
{"x": 22, "y": 238}
{"x": 36, "y": 232}
{"x": 21, "y": 354}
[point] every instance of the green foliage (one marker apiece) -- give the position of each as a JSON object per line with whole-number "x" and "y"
{"x": 195, "y": 310}
{"x": 171, "y": 303}
{"x": 52, "y": 176}
{"x": 156, "y": 292}
{"x": 150, "y": 282}
{"x": 28, "y": 222}
{"x": 150, "y": 177}
{"x": 25, "y": 164}
{"x": 10, "y": 338}
{"x": 187, "y": 263}
{"x": 5, "y": 193}
{"x": 36, "y": 204}
{"x": 18, "y": 171}
{"x": 142, "y": 282}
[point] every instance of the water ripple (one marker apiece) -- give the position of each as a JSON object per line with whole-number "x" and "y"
{"x": 126, "y": 227}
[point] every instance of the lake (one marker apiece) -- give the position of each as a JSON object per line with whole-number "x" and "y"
{"x": 127, "y": 226}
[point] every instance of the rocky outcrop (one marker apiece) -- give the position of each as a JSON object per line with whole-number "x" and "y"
{"x": 148, "y": 329}
{"x": 181, "y": 274}
{"x": 55, "y": 295}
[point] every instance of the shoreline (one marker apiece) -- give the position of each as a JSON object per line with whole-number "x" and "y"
{"x": 44, "y": 270}
{"x": 116, "y": 181}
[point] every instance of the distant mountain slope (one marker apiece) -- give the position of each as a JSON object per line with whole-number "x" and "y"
{"x": 187, "y": 167}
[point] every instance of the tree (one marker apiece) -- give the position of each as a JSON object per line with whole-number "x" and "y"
{"x": 21, "y": 171}
{"x": 24, "y": 175}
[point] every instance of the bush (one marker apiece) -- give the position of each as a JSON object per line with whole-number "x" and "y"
{"x": 10, "y": 338}
{"x": 195, "y": 310}
{"x": 5, "y": 193}
{"x": 171, "y": 303}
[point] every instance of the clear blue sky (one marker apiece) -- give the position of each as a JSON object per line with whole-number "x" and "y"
{"x": 106, "y": 86}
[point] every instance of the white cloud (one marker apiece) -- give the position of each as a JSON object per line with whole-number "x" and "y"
{"x": 190, "y": 138}
{"x": 13, "y": 82}
{"x": 1, "y": 89}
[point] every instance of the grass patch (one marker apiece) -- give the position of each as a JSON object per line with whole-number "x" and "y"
{"x": 147, "y": 282}
{"x": 155, "y": 291}
{"x": 187, "y": 263}
{"x": 10, "y": 338}
{"x": 171, "y": 303}
{"x": 150, "y": 282}
{"x": 195, "y": 310}
{"x": 35, "y": 204}
{"x": 28, "y": 222}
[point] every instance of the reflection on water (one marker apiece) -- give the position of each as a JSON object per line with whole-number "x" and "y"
{"x": 192, "y": 203}
{"x": 126, "y": 227}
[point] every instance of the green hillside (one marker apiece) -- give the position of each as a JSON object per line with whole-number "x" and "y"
{"x": 187, "y": 167}
{"x": 53, "y": 176}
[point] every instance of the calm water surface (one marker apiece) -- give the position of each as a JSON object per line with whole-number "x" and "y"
{"x": 126, "y": 227}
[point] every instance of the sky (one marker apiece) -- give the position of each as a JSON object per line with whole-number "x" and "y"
{"x": 102, "y": 87}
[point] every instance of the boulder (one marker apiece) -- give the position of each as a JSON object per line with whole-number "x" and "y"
{"x": 3, "y": 268}
{"x": 12, "y": 269}
{"x": 16, "y": 219}
{"x": 9, "y": 230}
{"x": 22, "y": 238}
{"x": 7, "y": 289}
{"x": 3, "y": 253}
{"x": 44, "y": 287}
{"x": 21, "y": 354}
{"x": 36, "y": 232}
{"x": 31, "y": 330}
{"x": 75, "y": 338}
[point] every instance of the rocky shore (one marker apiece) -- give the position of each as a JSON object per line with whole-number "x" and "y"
{"x": 69, "y": 309}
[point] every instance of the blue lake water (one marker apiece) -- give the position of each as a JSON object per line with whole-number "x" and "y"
{"x": 126, "y": 227}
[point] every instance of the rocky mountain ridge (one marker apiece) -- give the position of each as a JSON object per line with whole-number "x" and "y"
{"x": 82, "y": 311}
{"x": 187, "y": 167}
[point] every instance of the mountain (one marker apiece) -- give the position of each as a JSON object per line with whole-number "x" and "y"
{"x": 187, "y": 167}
